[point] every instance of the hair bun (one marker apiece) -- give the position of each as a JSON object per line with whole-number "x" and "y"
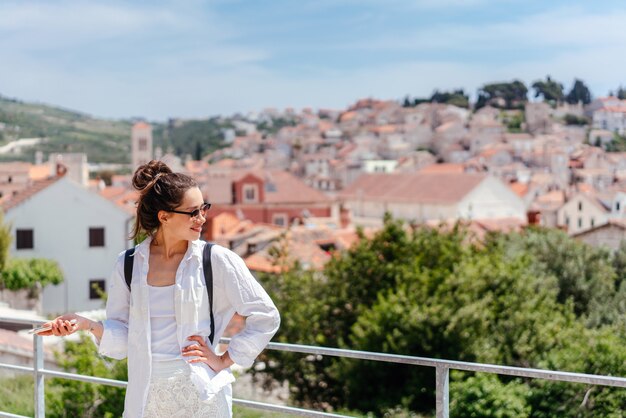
{"x": 146, "y": 175}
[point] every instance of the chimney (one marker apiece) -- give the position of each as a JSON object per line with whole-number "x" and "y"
{"x": 534, "y": 217}
{"x": 61, "y": 169}
{"x": 345, "y": 217}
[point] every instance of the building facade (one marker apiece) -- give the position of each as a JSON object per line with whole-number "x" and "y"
{"x": 83, "y": 232}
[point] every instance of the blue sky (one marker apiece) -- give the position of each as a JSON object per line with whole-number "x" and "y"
{"x": 160, "y": 59}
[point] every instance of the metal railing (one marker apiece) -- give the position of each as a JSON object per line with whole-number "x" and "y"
{"x": 442, "y": 368}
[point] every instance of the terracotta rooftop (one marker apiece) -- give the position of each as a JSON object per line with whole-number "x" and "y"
{"x": 141, "y": 125}
{"x": 123, "y": 197}
{"x": 519, "y": 189}
{"x": 283, "y": 187}
{"x": 435, "y": 188}
{"x": 27, "y": 193}
{"x": 443, "y": 168}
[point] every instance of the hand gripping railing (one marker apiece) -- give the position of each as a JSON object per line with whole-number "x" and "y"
{"x": 442, "y": 368}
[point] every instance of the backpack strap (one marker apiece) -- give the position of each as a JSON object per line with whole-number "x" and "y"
{"x": 128, "y": 266}
{"x": 208, "y": 280}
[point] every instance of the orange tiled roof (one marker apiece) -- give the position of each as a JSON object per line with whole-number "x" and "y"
{"x": 39, "y": 172}
{"x": 383, "y": 129}
{"x": 123, "y": 197}
{"x": 27, "y": 193}
{"x": 141, "y": 125}
{"x": 436, "y": 188}
{"x": 443, "y": 168}
{"x": 283, "y": 187}
{"x": 260, "y": 262}
{"x": 347, "y": 116}
{"x": 520, "y": 189}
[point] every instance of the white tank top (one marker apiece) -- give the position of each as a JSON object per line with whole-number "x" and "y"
{"x": 164, "y": 341}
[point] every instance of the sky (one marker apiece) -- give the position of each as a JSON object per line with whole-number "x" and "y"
{"x": 160, "y": 59}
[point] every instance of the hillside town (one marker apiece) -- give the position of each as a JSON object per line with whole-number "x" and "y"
{"x": 307, "y": 188}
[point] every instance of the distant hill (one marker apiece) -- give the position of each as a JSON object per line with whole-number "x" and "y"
{"x": 197, "y": 137}
{"x": 108, "y": 140}
{"x": 65, "y": 131}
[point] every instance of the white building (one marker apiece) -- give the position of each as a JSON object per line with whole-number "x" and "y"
{"x": 380, "y": 166}
{"x": 60, "y": 220}
{"x": 609, "y": 235}
{"x": 611, "y": 119}
{"x": 583, "y": 211}
{"x": 433, "y": 196}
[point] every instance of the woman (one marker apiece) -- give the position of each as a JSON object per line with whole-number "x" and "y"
{"x": 162, "y": 322}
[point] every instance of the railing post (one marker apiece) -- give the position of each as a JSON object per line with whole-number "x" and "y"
{"x": 40, "y": 408}
{"x": 442, "y": 392}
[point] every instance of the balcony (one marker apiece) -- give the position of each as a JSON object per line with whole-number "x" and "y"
{"x": 442, "y": 368}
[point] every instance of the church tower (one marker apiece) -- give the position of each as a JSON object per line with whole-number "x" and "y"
{"x": 141, "y": 144}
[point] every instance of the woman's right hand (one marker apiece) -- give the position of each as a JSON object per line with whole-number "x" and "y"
{"x": 66, "y": 325}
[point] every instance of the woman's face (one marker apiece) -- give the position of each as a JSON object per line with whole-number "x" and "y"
{"x": 183, "y": 226}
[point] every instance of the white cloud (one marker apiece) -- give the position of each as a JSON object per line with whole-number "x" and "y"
{"x": 557, "y": 28}
{"x": 191, "y": 63}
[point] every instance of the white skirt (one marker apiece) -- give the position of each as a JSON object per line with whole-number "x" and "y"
{"x": 172, "y": 394}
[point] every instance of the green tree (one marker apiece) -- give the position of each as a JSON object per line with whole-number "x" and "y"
{"x": 5, "y": 241}
{"x": 526, "y": 299}
{"x": 584, "y": 274}
{"x": 455, "y": 98}
{"x": 575, "y": 120}
{"x": 514, "y": 122}
{"x": 595, "y": 351}
{"x": 510, "y": 95}
{"x": 490, "y": 308}
{"x": 621, "y": 93}
{"x": 579, "y": 93}
{"x": 550, "y": 90}
{"x": 32, "y": 274}
{"x": 485, "y": 395}
{"x": 72, "y": 398}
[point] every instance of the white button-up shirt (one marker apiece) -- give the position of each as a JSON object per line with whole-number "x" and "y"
{"x": 127, "y": 327}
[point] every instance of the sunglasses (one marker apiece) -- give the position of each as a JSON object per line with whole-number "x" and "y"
{"x": 196, "y": 212}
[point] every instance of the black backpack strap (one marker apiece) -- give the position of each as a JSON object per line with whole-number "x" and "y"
{"x": 208, "y": 280}
{"x": 128, "y": 266}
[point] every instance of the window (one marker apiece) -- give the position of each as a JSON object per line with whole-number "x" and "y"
{"x": 24, "y": 239}
{"x": 96, "y": 237}
{"x": 279, "y": 219}
{"x": 250, "y": 193}
{"x": 143, "y": 144}
{"x": 567, "y": 220}
{"x": 580, "y": 206}
{"x": 580, "y": 222}
{"x": 593, "y": 222}
{"x": 96, "y": 288}
{"x": 617, "y": 206}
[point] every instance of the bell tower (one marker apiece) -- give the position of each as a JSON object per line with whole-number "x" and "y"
{"x": 141, "y": 144}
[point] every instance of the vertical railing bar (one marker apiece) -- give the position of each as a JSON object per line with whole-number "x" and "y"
{"x": 442, "y": 393}
{"x": 40, "y": 408}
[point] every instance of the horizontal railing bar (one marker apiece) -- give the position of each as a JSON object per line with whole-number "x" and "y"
{"x": 8, "y": 415}
{"x": 286, "y": 409}
{"x": 23, "y": 369}
{"x": 23, "y": 321}
{"x": 417, "y": 361}
{"x": 84, "y": 378}
{"x": 453, "y": 364}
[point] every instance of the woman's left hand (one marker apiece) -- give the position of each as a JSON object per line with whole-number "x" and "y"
{"x": 204, "y": 354}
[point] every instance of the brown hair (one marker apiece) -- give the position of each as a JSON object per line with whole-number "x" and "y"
{"x": 159, "y": 189}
